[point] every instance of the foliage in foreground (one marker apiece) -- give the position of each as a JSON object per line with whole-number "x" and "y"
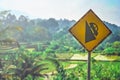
{"x": 99, "y": 71}
{"x": 21, "y": 66}
{"x": 26, "y": 65}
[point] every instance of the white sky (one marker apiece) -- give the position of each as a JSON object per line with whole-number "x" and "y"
{"x": 108, "y": 10}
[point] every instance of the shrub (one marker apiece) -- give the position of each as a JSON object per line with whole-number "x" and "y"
{"x": 109, "y": 51}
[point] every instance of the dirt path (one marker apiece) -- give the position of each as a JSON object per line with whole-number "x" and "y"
{"x": 79, "y": 57}
{"x": 97, "y": 57}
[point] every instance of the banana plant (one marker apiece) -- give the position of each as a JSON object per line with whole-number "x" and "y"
{"x": 20, "y": 65}
{"x": 6, "y": 70}
{"x": 27, "y": 64}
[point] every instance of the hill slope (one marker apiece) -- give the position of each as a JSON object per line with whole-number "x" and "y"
{"x": 26, "y": 30}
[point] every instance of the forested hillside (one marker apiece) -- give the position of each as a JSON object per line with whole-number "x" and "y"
{"x": 48, "y": 31}
{"x": 25, "y": 30}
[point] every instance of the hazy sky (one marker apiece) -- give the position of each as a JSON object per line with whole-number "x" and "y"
{"x": 107, "y": 10}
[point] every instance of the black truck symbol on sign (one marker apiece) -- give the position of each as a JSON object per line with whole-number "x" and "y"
{"x": 91, "y": 31}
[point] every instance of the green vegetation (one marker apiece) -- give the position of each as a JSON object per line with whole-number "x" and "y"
{"x": 23, "y": 64}
{"x": 40, "y": 49}
{"x": 50, "y": 35}
{"x": 112, "y": 49}
{"x": 100, "y": 71}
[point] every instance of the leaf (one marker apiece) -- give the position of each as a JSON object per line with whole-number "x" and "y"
{"x": 11, "y": 67}
{"x": 38, "y": 68}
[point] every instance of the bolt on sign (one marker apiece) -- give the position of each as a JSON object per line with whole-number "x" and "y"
{"x": 90, "y": 31}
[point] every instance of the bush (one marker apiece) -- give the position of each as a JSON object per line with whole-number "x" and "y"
{"x": 109, "y": 51}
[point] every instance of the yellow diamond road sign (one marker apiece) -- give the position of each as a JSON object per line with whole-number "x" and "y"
{"x": 90, "y": 31}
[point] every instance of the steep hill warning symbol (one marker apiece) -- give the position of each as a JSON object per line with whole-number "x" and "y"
{"x": 91, "y": 31}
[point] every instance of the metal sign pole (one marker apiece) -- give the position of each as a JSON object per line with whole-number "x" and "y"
{"x": 89, "y": 65}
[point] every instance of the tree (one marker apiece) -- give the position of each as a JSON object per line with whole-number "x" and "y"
{"x": 3, "y": 14}
{"x": 28, "y": 65}
{"x": 113, "y": 48}
{"x": 109, "y": 51}
{"x": 116, "y": 45}
{"x": 53, "y": 24}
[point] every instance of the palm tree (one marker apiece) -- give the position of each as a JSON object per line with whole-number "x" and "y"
{"x": 28, "y": 65}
